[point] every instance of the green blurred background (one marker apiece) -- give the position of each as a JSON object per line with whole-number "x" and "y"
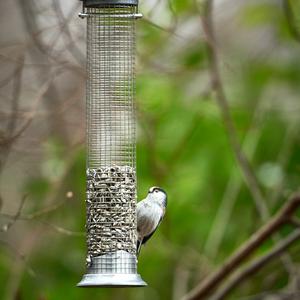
{"x": 182, "y": 143}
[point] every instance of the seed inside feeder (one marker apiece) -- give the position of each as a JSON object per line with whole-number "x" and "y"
{"x": 111, "y": 208}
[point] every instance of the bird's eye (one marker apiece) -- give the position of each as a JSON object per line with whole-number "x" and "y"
{"x": 156, "y": 191}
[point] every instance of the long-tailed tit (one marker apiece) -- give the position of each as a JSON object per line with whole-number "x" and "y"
{"x": 150, "y": 213}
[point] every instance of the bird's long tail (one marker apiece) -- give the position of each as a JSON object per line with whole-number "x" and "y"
{"x": 138, "y": 248}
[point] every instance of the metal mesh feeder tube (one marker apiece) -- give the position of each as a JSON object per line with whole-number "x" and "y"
{"x": 111, "y": 144}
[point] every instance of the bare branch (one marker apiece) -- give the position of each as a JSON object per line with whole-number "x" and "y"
{"x": 170, "y": 31}
{"x": 256, "y": 265}
{"x": 16, "y": 217}
{"x": 243, "y": 163}
{"x": 234, "y": 185}
{"x": 222, "y": 101}
{"x": 70, "y": 44}
{"x": 62, "y": 230}
{"x": 34, "y": 217}
{"x": 12, "y": 122}
{"x": 182, "y": 144}
{"x": 43, "y": 211}
{"x": 32, "y": 25}
{"x": 233, "y": 262}
{"x": 19, "y": 255}
{"x": 7, "y": 142}
{"x": 12, "y": 138}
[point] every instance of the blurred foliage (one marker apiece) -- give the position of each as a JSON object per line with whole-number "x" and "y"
{"x": 183, "y": 147}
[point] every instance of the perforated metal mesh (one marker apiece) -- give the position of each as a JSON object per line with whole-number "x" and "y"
{"x": 110, "y": 89}
{"x": 111, "y": 130}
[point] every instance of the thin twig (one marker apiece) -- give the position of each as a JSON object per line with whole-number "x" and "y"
{"x": 34, "y": 217}
{"x": 43, "y": 211}
{"x": 12, "y": 122}
{"x": 256, "y": 265}
{"x": 291, "y": 135}
{"x": 234, "y": 185}
{"x": 20, "y": 131}
{"x": 217, "y": 84}
{"x": 222, "y": 101}
{"x": 8, "y": 141}
{"x": 70, "y": 44}
{"x": 282, "y": 217}
{"x": 149, "y": 126}
{"x": 170, "y": 31}
{"x": 15, "y": 217}
{"x": 19, "y": 255}
{"x": 31, "y": 23}
{"x": 182, "y": 144}
{"x": 62, "y": 230}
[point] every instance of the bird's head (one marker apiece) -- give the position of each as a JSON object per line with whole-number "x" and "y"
{"x": 158, "y": 195}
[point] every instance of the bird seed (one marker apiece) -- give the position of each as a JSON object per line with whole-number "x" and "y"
{"x": 111, "y": 210}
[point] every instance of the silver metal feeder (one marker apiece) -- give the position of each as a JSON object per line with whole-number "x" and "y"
{"x": 111, "y": 144}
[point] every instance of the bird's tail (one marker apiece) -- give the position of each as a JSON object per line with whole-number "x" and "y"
{"x": 138, "y": 248}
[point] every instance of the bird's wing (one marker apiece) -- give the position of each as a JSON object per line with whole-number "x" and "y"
{"x": 138, "y": 247}
{"x": 141, "y": 209}
{"x": 147, "y": 237}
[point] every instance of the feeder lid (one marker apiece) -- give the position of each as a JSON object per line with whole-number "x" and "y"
{"x": 101, "y": 3}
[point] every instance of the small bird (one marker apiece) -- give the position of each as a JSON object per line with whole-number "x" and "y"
{"x": 150, "y": 213}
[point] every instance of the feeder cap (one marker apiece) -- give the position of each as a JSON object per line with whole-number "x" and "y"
{"x": 101, "y": 3}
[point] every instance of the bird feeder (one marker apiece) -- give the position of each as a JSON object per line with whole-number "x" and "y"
{"x": 111, "y": 144}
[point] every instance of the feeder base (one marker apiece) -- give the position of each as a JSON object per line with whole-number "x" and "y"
{"x": 112, "y": 280}
{"x": 114, "y": 269}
